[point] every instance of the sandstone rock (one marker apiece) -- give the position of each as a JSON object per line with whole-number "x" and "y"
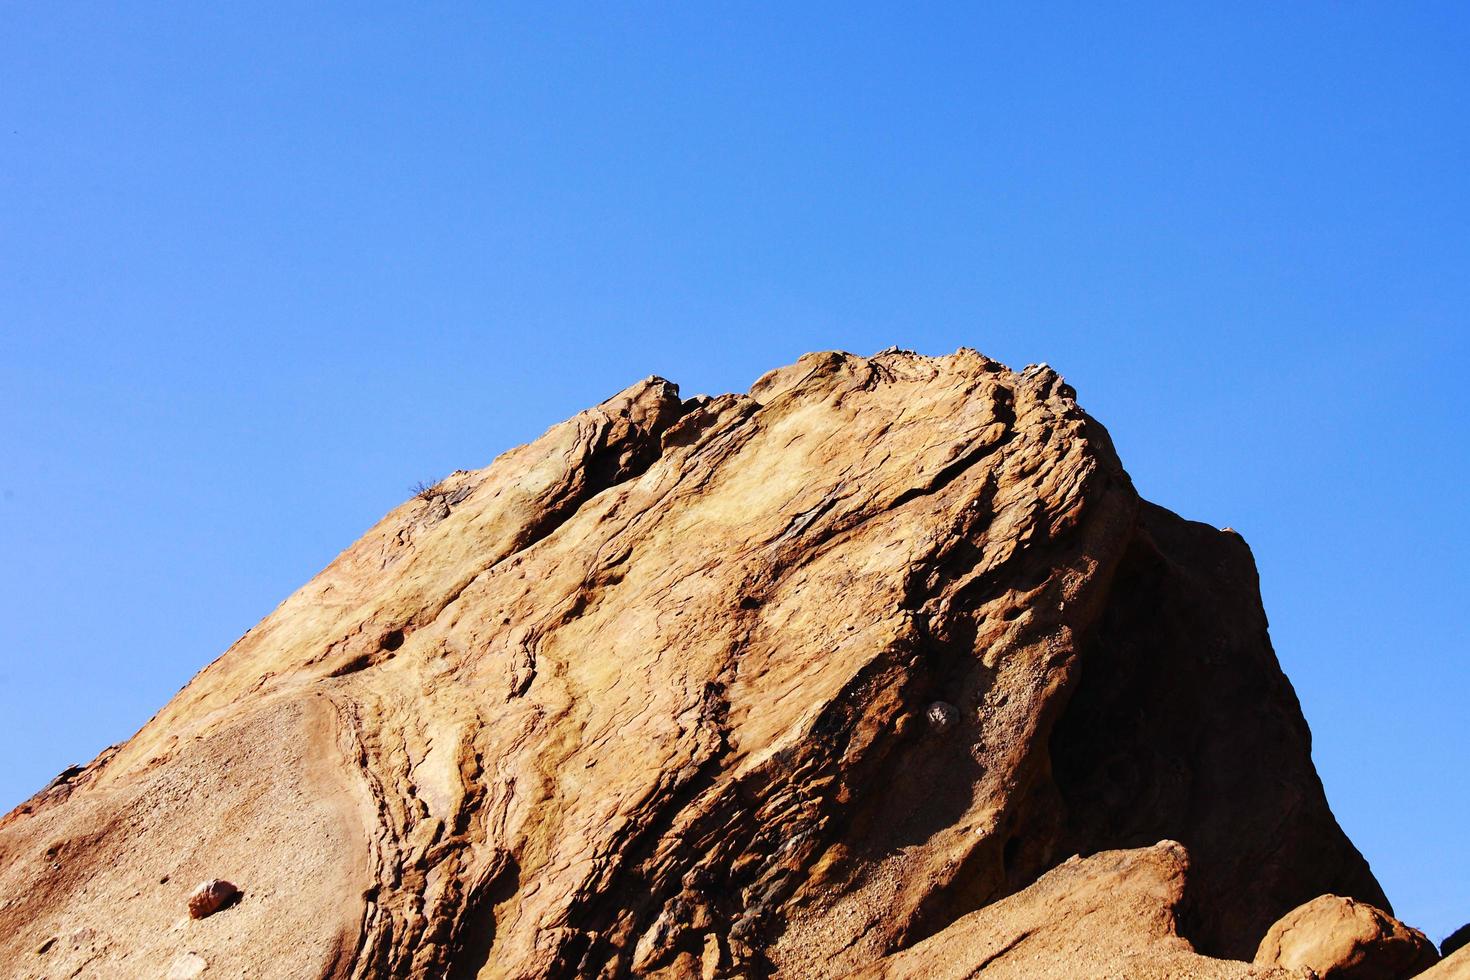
{"x": 1113, "y": 914}
{"x": 210, "y": 897}
{"x": 1455, "y": 940}
{"x": 1455, "y": 966}
{"x": 186, "y": 966}
{"x": 650, "y": 692}
{"x": 1342, "y": 939}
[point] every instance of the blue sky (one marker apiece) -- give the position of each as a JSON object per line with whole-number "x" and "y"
{"x": 264, "y": 266}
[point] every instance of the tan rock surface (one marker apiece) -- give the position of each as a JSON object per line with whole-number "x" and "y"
{"x": 657, "y": 693}
{"x": 1342, "y": 939}
{"x": 1455, "y": 966}
{"x": 1114, "y": 914}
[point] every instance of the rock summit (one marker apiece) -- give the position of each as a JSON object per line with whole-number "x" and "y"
{"x": 882, "y": 669}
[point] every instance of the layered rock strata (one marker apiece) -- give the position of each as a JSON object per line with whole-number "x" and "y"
{"x": 773, "y": 684}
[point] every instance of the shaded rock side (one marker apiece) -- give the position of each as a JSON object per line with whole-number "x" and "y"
{"x": 1456, "y": 940}
{"x": 768, "y": 684}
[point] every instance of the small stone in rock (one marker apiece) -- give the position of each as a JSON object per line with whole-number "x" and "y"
{"x": 210, "y": 897}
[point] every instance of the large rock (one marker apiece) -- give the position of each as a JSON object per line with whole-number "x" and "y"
{"x": 1114, "y": 914}
{"x": 1341, "y": 939}
{"x": 779, "y": 683}
{"x": 1455, "y": 966}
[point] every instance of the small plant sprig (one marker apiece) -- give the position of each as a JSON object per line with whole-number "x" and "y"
{"x": 426, "y": 490}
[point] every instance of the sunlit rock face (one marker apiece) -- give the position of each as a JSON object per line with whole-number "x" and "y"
{"x": 771, "y": 684}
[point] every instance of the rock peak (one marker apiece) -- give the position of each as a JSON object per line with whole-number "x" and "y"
{"x": 805, "y": 682}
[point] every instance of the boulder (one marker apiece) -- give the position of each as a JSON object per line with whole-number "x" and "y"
{"x": 1342, "y": 939}
{"x": 1110, "y": 915}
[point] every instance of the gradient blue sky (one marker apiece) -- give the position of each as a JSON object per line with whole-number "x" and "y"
{"x": 263, "y": 266}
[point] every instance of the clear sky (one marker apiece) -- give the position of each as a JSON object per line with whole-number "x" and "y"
{"x": 263, "y": 266}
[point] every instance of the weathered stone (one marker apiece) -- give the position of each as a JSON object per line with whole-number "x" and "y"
{"x": 1342, "y": 939}
{"x": 187, "y": 966}
{"x": 1455, "y": 966}
{"x": 1111, "y": 915}
{"x": 652, "y": 690}
{"x": 210, "y": 897}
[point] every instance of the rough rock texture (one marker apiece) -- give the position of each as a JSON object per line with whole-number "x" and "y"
{"x": 769, "y": 684}
{"x": 1455, "y": 966}
{"x": 210, "y": 897}
{"x": 1113, "y": 914}
{"x": 1341, "y": 939}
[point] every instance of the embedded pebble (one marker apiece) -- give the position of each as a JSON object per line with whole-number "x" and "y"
{"x": 210, "y": 897}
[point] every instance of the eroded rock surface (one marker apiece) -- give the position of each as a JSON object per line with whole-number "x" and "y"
{"x": 656, "y": 694}
{"x": 1114, "y": 914}
{"x": 1455, "y": 966}
{"x": 1341, "y": 939}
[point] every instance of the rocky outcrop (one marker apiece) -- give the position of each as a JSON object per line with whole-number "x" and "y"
{"x": 1114, "y": 914}
{"x": 1341, "y": 939}
{"x": 784, "y": 683}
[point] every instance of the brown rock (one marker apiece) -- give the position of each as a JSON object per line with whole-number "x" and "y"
{"x": 654, "y": 692}
{"x": 1342, "y": 939}
{"x": 1455, "y": 940}
{"x": 210, "y": 897}
{"x": 1113, "y": 914}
